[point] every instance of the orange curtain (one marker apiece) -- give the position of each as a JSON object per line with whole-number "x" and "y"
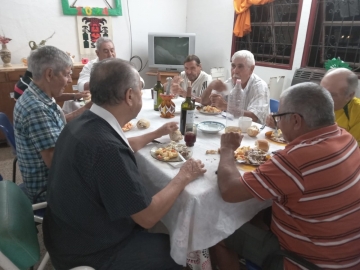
{"x": 243, "y": 24}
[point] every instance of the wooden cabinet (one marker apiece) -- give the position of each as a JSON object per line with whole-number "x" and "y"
{"x": 163, "y": 74}
{"x": 8, "y": 78}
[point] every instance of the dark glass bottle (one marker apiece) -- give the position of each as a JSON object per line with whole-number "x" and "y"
{"x": 187, "y": 111}
{"x": 158, "y": 89}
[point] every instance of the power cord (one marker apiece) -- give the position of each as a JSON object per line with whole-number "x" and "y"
{"x": 135, "y": 56}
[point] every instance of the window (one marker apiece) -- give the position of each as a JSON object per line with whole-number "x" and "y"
{"x": 333, "y": 31}
{"x": 274, "y": 33}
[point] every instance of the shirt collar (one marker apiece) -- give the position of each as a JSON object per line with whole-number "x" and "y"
{"x": 314, "y": 134}
{"x": 247, "y": 87}
{"x": 41, "y": 95}
{"x": 108, "y": 117}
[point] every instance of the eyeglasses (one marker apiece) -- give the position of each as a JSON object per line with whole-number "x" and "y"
{"x": 277, "y": 117}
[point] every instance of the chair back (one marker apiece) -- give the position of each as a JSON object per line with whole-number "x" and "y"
{"x": 8, "y": 129}
{"x": 18, "y": 234}
{"x": 274, "y": 105}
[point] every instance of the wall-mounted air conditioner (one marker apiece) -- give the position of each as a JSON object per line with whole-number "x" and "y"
{"x": 308, "y": 75}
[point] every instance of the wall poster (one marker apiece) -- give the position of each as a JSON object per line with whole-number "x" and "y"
{"x": 89, "y": 30}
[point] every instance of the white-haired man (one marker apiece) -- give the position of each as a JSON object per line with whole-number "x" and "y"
{"x": 104, "y": 49}
{"x": 257, "y": 96}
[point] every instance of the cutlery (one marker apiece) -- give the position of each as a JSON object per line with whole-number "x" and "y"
{"x": 181, "y": 156}
{"x": 262, "y": 127}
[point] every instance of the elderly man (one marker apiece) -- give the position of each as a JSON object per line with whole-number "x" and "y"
{"x": 313, "y": 183}
{"x": 104, "y": 49}
{"x": 97, "y": 203}
{"x": 257, "y": 96}
{"x": 342, "y": 85}
{"x": 38, "y": 120}
{"x": 193, "y": 73}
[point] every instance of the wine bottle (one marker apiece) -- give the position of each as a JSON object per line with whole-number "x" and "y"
{"x": 187, "y": 110}
{"x": 158, "y": 89}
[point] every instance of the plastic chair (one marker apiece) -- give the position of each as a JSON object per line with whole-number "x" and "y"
{"x": 19, "y": 246}
{"x": 274, "y": 105}
{"x": 8, "y": 129}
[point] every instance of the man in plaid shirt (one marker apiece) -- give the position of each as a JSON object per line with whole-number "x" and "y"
{"x": 38, "y": 120}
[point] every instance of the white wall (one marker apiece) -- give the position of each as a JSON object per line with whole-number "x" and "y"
{"x": 212, "y": 21}
{"x": 23, "y": 21}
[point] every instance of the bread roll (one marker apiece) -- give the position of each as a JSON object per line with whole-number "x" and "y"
{"x": 253, "y": 131}
{"x": 143, "y": 124}
{"x": 176, "y": 136}
{"x": 262, "y": 145}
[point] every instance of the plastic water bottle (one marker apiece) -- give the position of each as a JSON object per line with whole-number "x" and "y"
{"x": 235, "y": 108}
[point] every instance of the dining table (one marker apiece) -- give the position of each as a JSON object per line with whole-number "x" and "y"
{"x": 199, "y": 218}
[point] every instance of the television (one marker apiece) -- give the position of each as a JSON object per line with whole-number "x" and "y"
{"x": 167, "y": 51}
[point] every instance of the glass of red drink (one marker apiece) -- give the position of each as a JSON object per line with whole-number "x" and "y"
{"x": 190, "y": 135}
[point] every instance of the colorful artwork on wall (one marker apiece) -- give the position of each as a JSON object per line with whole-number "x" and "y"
{"x": 89, "y": 30}
{"x": 91, "y": 11}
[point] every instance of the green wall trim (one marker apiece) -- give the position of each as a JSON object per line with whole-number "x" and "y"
{"x": 91, "y": 11}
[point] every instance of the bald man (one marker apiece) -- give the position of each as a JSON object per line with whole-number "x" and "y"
{"x": 342, "y": 85}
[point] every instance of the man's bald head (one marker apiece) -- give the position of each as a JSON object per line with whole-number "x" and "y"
{"x": 342, "y": 85}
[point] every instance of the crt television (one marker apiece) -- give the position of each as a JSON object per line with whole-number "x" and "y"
{"x": 167, "y": 51}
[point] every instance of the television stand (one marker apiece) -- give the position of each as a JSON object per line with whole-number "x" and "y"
{"x": 163, "y": 74}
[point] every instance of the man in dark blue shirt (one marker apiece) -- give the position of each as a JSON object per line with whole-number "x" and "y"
{"x": 97, "y": 204}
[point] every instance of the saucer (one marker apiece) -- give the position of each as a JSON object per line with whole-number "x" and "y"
{"x": 210, "y": 126}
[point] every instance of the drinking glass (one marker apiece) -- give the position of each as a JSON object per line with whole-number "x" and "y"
{"x": 190, "y": 134}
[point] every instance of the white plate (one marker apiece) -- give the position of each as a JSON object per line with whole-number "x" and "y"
{"x": 209, "y": 113}
{"x": 210, "y": 126}
{"x": 177, "y": 159}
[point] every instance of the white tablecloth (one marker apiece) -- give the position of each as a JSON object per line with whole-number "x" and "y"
{"x": 199, "y": 218}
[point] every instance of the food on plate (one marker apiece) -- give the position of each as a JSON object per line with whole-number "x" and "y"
{"x": 210, "y": 109}
{"x": 253, "y": 131}
{"x": 176, "y": 136}
{"x": 232, "y": 129}
{"x": 262, "y": 145}
{"x": 172, "y": 151}
{"x": 212, "y": 152}
{"x": 271, "y": 136}
{"x": 253, "y": 156}
{"x": 166, "y": 153}
{"x": 143, "y": 124}
{"x": 127, "y": 127}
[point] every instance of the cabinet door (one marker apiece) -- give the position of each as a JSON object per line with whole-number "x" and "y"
{"x": 6, "y": 103}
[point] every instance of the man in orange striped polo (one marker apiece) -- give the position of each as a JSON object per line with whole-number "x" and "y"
{"x": 314, "y": 184}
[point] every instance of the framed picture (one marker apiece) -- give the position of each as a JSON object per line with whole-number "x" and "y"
{"x": 91, "y": 11}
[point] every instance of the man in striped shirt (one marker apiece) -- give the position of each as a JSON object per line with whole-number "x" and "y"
{"x": 314, "y": 185}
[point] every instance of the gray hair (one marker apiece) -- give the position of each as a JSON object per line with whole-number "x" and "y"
{"x": 102, "y": 40}
{"x": 310, "y": 100}
{"x": 110, "y": 79}
{"x": 353, "y": 83}
{"x": 48, "y": 57}
{"x": 250, "y": 60}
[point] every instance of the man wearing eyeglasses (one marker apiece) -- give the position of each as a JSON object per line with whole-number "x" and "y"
{"x": 313, "y": 183}
{"x": 342, "y": 85}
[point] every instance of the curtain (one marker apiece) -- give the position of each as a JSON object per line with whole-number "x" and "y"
{"x": 242, "y": 8}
